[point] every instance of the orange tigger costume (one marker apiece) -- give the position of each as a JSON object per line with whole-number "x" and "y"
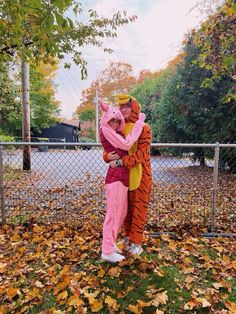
{"x": 139, "y": 195}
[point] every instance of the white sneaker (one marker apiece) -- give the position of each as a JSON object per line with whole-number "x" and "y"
{"x": 117, "y": 250}
{"x": 135, "y": 249}
{"x": 113, "y": 258}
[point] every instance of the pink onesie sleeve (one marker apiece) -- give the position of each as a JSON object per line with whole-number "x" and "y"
{"x": 118, "y": 141}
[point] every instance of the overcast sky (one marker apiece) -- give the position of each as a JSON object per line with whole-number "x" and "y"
{"x": 149, "y": 43}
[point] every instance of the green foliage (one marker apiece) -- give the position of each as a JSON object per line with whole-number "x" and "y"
{"x": 92, "y": 134}
{"x": 148, "y": 93}
{"x": 10, "y": 110}
{"x": 191, "y": 113}
{"x": 44, "y": 107}
{"x": 87, "y": 114}
{"x": 43, "y": 31}
{"x": 216, "y": 40}
{"x": 86, "y": 140}
{"x": 6, "y": 138}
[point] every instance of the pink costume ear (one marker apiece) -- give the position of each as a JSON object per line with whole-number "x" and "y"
{"x": 104, "y": 106}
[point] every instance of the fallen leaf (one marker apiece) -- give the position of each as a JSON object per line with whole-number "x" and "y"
{"x": 112, "y": 303}
{"x": 230, "y": 306}
{"x": 134, "y": 309}
{"x": 160, "y": 298}
{"x": 12, "y": 292}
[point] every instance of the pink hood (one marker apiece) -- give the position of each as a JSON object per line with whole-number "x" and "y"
{"x": 112, "y": 136}
{"x": 111, "y": 113}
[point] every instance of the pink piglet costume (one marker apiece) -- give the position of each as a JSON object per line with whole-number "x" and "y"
{"x": 117, "y": 179}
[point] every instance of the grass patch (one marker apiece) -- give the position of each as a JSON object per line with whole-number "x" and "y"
{"x": 19, "y": 219}
{"x": 12, "y": 173}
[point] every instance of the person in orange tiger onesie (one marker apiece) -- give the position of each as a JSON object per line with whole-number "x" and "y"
{"x": 138, "y": 163}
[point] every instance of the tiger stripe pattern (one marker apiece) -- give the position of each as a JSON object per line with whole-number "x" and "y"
{"x": 138, "y": 200}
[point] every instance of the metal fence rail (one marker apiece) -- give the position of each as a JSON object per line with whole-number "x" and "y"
{"x": 66, "y": 181}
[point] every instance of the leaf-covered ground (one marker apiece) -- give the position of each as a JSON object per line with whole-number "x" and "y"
{"x": 57, "y": 268}
{"x": 180, "y": 205}
{"x": 50, "y": 250}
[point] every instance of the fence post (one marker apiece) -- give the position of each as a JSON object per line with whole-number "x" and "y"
{"x": 2, "y": 200}
{"x": 215, "y": 186}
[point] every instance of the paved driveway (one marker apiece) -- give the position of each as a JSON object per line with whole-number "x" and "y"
{"x": 68, "y": 165}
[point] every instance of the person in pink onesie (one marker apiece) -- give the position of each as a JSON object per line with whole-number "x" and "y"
{"x": 117, "y": 179}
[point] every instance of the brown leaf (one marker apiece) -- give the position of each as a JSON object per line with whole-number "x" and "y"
{"x": 114, "y": 271}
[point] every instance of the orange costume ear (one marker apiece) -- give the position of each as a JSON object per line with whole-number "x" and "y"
{"x": 135, "y": 107}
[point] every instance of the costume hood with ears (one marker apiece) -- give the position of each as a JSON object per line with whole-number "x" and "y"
{"x": 135, "y": 106}
{"x": 111, "y": 113}
{"x": 111, "y": 135}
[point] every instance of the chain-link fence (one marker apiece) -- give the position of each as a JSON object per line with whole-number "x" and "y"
{"x": 194, "y": 185}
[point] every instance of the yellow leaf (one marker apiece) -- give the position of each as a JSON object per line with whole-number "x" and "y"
{"x": 3, "y": 310}
{"x": 101, "y": 273}
{"x": 37, "y": 229}
{"x": 189, "y": 279}
{"x": 144, "y": 304}
{"x": 15, "y": 237}
{"x": 121, "y": 295}
{"x": 134, "y": 309}
{"x": 190, "y": 305}
{"x": 12, "y": 292}
{"x": 32, "y": 294}
{"x": 160, "y": 298}
{"x": 111, "y": 303}
{"x": 91, "y": 296}
{"x": 62, "y": 296}
{"x": 172, "y": 245}
{"x": 3, "y": 267}
{"x": 159, "y": 272}
{"x": 65, "y": 270}
{"x": 130, "y": 288}
{"x": 217, "y": 285}
{"x": 60, "y": 234}
{"x": 96, "y": 306}
{"x": 61, "y": 285}
{"x": 23, "y": 309}
{"x": 230, "y": 306}
{"x": 204, "y": 302}
{"x": 75, "y": 301}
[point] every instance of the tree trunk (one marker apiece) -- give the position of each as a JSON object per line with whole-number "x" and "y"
{"x": 26, "y": 116}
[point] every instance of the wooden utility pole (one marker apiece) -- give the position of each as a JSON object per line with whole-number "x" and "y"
{"x": 25, "y": 115}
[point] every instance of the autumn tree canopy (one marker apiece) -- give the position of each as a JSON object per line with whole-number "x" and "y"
{"x": 118, "y": 77}
{"x": 44, "y": 30}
